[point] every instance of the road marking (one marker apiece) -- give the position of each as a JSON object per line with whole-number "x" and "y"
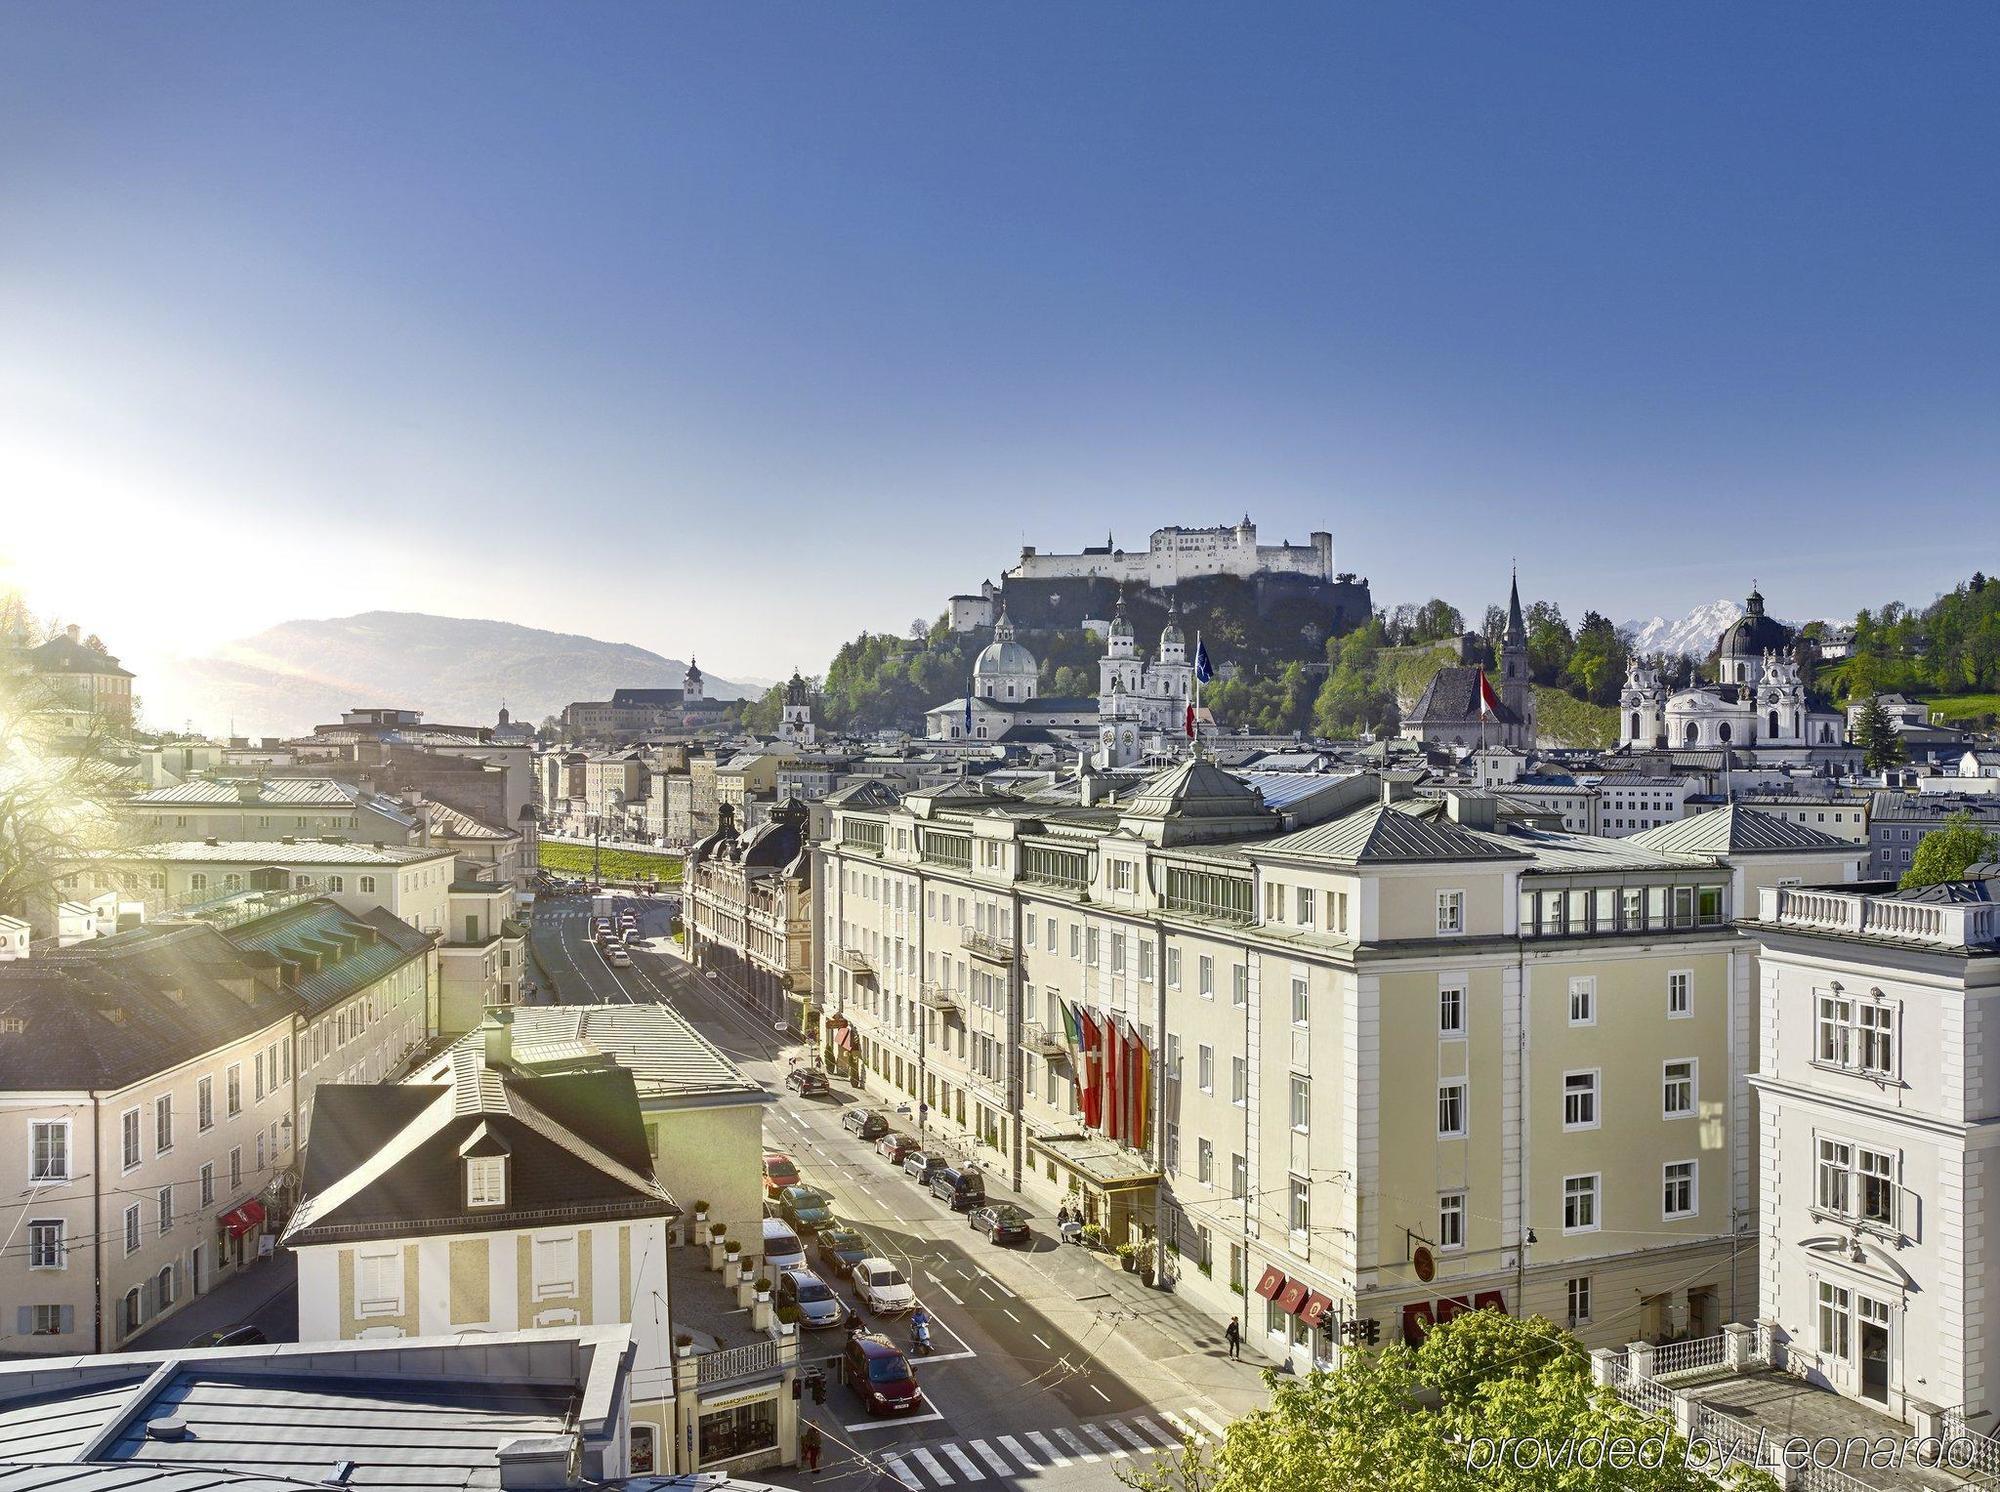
{"x": 1077, "y": 1446}
{"x": 1205, "y": 1422}
{"x": 1047, "y": 1448}
{"x": 987, "y": 1293}
{"x": 1100, "y": 1393}
{"x": 889, "y": 1424}
{"x": 949, "y": 1356}
{"x": 1110, "y": 1446}
{"x": 934, "y": 1466}
{"x": 1129, "y": 1435}
{"x": 1000, "y": 1287}
{"x": 903, "y": 1473}
{"x": 1187, "y": 1430}
{"x": 1019, "y": 1452}
{"x": 944, "y": 1287}
{"x": 1010, "y": 1315}
{"x": 963, "y": 1462}
{"x": 1171, "y": 1442}
{"x": 1038, "y": 1337}
{"x": 992, "y": 1458}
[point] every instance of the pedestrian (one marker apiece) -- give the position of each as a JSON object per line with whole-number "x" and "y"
{"x": 809, "y": 1447}
{"x": 1234, "y": 1333}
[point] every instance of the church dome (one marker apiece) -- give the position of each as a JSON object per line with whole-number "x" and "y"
{"x": 1170, "y": 635}
{"x": 1121, "y": 625}
{"x": 796, "y": 692}
{"x": 1004, "y": 658}
{"x": 1753, "y": 634}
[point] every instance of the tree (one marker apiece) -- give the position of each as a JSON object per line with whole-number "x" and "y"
{"x": 1494, "y": 629}
{"x": 1435, "y": 621}
{"x": 1875, "y": 733}
{"x": 1596, "y": 666}
{"x": 1549, "y": 642}
{"x": 1435, "y": 1418}
{"x": 1943, "y": 854}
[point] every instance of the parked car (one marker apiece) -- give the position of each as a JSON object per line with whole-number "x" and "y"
{"x": 895, "y": 1145}
{"x": 806, "y": 1208}
{"x": 959, "y": 1187}
{"x": 881, "y": 1377}
{"x": 782, "y": 1249}
{"x": 838, "y": 1249}
{"x": 882, "y": 1288}
{"x": 1002, "y": 1222}
{"x": 806, "y": 1292}
{"x": 922, "y": 1167}
{"x": 779, "y": 1172}
{"x": 808, "y": 1082}
{"x": 240, "y": 1335}
{"x": 866, "y": 1124}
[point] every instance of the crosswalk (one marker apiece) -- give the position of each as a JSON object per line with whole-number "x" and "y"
{"x": 948, "y": 1463}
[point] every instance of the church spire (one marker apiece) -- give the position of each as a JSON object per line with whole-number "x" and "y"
{"x": 1517, "y": 630}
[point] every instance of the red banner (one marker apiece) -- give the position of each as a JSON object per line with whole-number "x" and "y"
{"x": 1271, "y": 1283}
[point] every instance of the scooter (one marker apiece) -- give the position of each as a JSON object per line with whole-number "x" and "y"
{"x": 920, "y": 1339}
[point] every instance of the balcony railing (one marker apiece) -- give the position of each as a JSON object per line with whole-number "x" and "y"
{"x": 1943, "y": 925}
{"x": 993, "y": 947}
{"x": 766, "y": 1359}
{"x": 854, "y": 962}
{"x": 1042, "y": 1042}
{"x": 944, "y": 1001}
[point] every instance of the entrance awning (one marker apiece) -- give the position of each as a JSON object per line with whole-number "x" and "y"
{"x": 1097, "y": 1162}
{"x": 843, "y": 1038}
{"x": 240, "y": 1220}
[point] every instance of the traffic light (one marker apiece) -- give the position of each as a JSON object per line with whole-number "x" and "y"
{"x": 798, "y": 1388}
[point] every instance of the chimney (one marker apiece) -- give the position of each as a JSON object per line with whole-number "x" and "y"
{"x": 1470, "y": 810}
{"x": 498, "y": 1032}
{"x": 73, "y": 632}
{"x": 1397, "y": 788}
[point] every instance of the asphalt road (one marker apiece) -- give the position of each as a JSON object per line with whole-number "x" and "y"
{"x": 1049, "y": 1364}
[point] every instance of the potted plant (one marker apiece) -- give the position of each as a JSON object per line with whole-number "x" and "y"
{"x": 684, "y": 1345}
{"x": 763, "y": 1287}
{"x": 1128, "y": 1256}
{"x": 715, "y": 1253}
{"x": 788, "y": 1319}
{"x": 1093, "y": 1235}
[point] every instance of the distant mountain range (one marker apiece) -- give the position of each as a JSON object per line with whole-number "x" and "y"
{"x": 457, "y": 670}
{"x": 1694, "y": 634}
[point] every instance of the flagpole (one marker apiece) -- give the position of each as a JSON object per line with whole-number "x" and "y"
{"x": 1195, "y": 745}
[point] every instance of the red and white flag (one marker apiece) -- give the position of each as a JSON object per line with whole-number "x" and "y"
{"x": 1190, "y": 722}
{"x": 1489, "y": 702}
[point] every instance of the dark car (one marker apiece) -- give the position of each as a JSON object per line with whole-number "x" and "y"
{"x": 839, "y": 1249}
{"x": 1002, "y": 1222}
{"x": 806, "y": 1208}
{"x": 864, "y": 1123}
{"x": 960, "y": 1187}
{"x": 895, "y": 1147}
{"x": 875, "y": 1368}
{"x": 806, "y": 1293}
{"x": 230, "y": 1336}
{"x": 922, "y": 1167}
{"x": 807, "y": 1082}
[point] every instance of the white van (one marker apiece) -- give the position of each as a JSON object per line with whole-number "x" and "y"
{"x": 782, "y": 1249}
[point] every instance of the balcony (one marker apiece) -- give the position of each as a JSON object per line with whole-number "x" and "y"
{"x": 944, "y": 1001}
{"x": 1857, "y": 914}
{"x": 855, "y": 963}
{"x": 1042, "y": 1042}
{"x": 994, "y": 948}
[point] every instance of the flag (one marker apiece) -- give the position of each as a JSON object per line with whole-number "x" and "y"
{"x": 1135, "y": 1089}
{"x": 1190, "y": 722}
{"x": 968, "y": 707}
{"x": 1112, "y": 1110}
{"x": 1202, "y": 670}
{"x": 1090, "y": 1074}
{"x": 1489, "y": 702}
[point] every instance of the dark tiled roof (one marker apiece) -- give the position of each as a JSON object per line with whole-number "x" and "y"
{"x": 647, "y": 699}
{"x": 60, "y": 655}
{"x": 113, "y": 1012}
{"x": 1453, "y": 694}
{"x": 333, "y": 953}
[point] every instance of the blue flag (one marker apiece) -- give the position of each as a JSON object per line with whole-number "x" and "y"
{"x": 968, "y": 707}
{"x": 1202, "y": 670}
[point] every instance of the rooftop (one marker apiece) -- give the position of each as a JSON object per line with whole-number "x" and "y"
{"x": 278, "y": 852}
{"x": 1738, "y": 830}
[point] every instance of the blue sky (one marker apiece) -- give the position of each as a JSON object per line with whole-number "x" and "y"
{"x": 735, "y": 329}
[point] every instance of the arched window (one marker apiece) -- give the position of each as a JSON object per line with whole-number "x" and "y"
{"x": 1693, "y": 732}
{"x": 133, "y": 1316}
{"x": 232, "y": 882}
{"x": 336, "y": 883}
{"x": 1635, "y": 725}
{"x": 1774, "y": 725}
{"x": 1799, "y": 723}
{"x": 1722, "y": 732}
{"x": 197, "y": 882}
{"x": 163, "y": 1287}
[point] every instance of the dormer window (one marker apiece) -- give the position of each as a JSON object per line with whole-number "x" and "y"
{"x": 486, "y": 1181}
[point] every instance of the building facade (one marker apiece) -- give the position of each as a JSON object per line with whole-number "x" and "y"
{"x": 1174, "y": 554}
{"x": 749, "y": 904}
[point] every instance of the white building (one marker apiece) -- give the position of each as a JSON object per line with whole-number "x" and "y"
{"x": 1006, "y": 693}
{"x": 1174, "y": 554}
{"x": 1155, "y": 694}
{"x": 1878, "y": 1173}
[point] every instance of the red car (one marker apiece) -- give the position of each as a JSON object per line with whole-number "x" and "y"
{"x": 875, "y": 1368}
{"x": 779, "y": 1173}
{"x": 895, "y": 1147}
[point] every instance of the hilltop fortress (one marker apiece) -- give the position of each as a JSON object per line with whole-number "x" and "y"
{"x": 1067, "y": 590}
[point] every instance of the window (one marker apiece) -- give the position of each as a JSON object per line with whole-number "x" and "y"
{"x": 555, "y": 1266}
{"x": 128, "y": 1124}
{"x": 1877, "y": 1039}
{"x": 379, "y": 1284}
{"x": 132, "y": 1229}
{"x": 1173, "y": 1147}
{"x": 1307, "y": 914}
{"x": 1451, "y": 1220}
{"x": 1876, "y": 1172}
{"x": 165, "y": 1203}
{"x": 1146, "y": 960}
{"x": 235, "y": 1169}
{"x": 1205, "y": 1067}
{"x": 1239, "y": 1177}
{"x": 208, "y": 1184}
{"x": 163, "y": 1123}
{"x": 1836, "y": 1164}
{"x": 1090, "y": 947}
{"x": 1173, "y": 968}
{"x": 1834, "y": 1304}
{"x": 1301, "y": 1103}
{"x": 204, "y": 1104}
{"x": 1121, "y": 875}
{"x": 486, "y": 1181}
{"x": 1239, "y": 985}
{"x": 1204, "y": 1160}
{"x": 1207, "y": 977}
{"x": 1677, "y": 1089}
{"x": 1301, "y": 1205}
{"x": 1451, "y": 1110}
{"x": 1239, "y": 1080}
{"x": 1451, "y": 912}
{"x": 1583, "y": 1001}
{"x": 1451, "y": 1007}
{"x": 1580, "y": 1204}
{"x": 367, "y": 885}
{"x": 1580, "y": 1099}
{"x": 197, "y": 882}
{"x": 1680, "y": 994}
{"x": 46, "y": 1247}
{"x": 1677, "y": 1190}
{"x": 49, "y": 1144}
{"x": 234, "y": 1085}
{"x": 336, "y": 883}
{"x": 1578, "y": 1291}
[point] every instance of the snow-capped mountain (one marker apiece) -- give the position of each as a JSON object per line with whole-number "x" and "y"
{"x": 1693, "y": 634}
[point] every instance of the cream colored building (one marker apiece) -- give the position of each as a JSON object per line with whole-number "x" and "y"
{"x": 483, "y": 956}
{"x": 749, "y": 913}
{"x": 238, "y": 808}
{"x": 410, "y": 882}
{"x": 1386, "y": 1028}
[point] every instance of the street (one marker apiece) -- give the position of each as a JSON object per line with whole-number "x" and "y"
{"x": 1050, "y": 1364}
